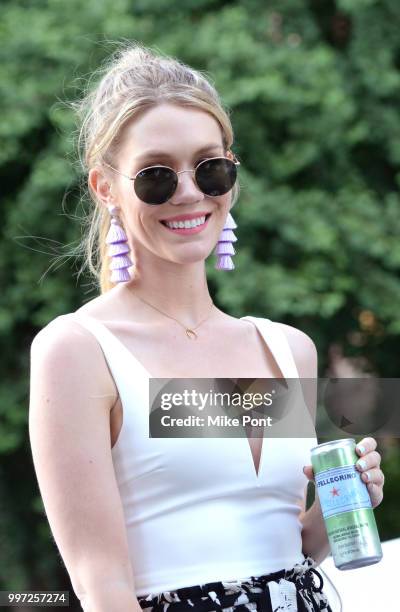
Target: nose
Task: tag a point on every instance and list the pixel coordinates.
(186, 191)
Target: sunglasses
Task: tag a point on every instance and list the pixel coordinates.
(157, 184)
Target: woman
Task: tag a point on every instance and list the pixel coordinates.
(151, 523)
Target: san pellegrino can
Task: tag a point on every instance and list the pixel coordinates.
(346, 505)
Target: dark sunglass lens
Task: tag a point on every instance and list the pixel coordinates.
(155, 185)
(216, 176)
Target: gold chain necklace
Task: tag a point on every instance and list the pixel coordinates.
(189, 330)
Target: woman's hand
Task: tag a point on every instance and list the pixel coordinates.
(371, 473)
(370, 470)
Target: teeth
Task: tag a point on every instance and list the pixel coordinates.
(186, 224)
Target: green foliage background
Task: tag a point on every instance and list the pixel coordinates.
(314, 91)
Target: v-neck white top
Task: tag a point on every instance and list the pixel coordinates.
(195, 509)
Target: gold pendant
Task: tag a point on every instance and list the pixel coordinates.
(191, 334)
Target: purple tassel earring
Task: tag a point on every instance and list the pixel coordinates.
(118, 249)
(224, 248)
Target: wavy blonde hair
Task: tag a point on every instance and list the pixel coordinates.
(132, 79)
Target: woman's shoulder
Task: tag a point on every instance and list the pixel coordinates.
(296, 335)
(302, 347)
(64, 334)
(64, 338)
(64, 345)
(293, 334)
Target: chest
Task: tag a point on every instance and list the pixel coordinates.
(236, 352)
(242, 354)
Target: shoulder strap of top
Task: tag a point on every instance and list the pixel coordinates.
(277, 342)
(112, 347)
(99, 331)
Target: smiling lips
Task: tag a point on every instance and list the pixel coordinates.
(187, 224)
(187, 216)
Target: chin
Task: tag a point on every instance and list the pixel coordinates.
(191, 258)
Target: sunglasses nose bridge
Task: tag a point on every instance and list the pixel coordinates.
(193, 170)
(194, 182)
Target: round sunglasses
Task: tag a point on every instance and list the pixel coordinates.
(155, 185)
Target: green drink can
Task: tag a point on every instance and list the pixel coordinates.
(346, 505)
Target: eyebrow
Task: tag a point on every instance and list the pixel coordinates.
(165, 155)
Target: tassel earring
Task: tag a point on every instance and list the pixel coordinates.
(224, 248)
(118, 249)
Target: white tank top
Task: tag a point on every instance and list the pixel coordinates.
(195, 509)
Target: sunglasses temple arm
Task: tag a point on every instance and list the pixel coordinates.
(131, 178)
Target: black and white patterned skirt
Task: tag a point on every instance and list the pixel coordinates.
(296, 590)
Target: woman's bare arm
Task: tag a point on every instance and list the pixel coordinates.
(314, 537)
(71, 395)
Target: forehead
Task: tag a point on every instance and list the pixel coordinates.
(172, 128)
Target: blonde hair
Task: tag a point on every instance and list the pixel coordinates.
(133, 79)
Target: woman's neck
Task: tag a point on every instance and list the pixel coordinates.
(183, 295)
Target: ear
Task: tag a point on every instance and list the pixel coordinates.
(100, 185)
(231, 155)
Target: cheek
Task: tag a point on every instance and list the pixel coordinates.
(146, 223)
(127, 193)
(137, 220)
(224, 204)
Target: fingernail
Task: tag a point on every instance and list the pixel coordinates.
(361, 449)
(366, 476)
(361, 464)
